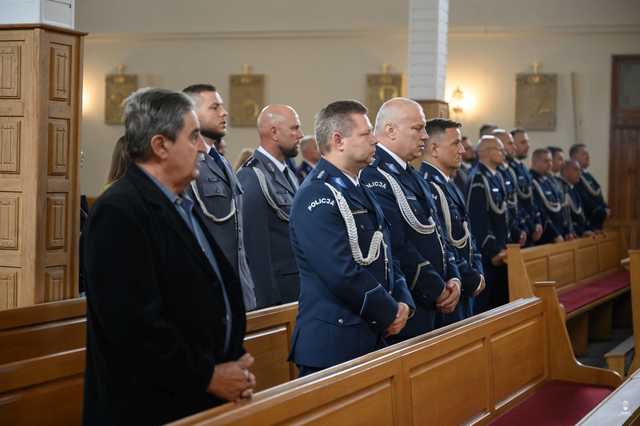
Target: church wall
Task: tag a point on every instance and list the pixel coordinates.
(310, 61)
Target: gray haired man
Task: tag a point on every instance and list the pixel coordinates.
(165, 318)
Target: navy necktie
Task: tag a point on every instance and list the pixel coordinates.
(217, 158)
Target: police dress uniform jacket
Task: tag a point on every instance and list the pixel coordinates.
(461, 178)
(487, 206)
(219, 195)
(267, 200)
(419, 244)
(595, 208)
(156, 316)
(551, 204)
(349, 285)
(303, 170)
(486, 203)
(579, 221)
(529, 210)
(453, 214)
(516, 217)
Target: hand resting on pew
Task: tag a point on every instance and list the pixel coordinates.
(233, 380)
(498, 259)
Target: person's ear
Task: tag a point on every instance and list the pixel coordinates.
(337, 141)
(158, 145)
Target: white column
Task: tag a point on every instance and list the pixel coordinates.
(60, 13)
(427, 65)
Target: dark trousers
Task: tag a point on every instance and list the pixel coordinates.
(496, 292)
(304, 370)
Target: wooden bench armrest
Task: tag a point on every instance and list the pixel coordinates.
(562, 361)
(622, 407)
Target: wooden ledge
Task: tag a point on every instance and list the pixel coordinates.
(63, 30)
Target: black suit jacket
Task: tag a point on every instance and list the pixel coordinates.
(155, 309)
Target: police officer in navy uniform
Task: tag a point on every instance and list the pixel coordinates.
(570, 176)
(487, 206)
(548, 197)
(528, 207)
(517, 217)
(270, 186)
(442, 157)
(217, 190)
(418, 241)
(352, 294)
(469, 159)
(595, 208)
(310, 156)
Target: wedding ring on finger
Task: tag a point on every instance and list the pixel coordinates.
(246, 374)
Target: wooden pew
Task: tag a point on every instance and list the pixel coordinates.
(467, 373)
(42, 358)
(622, 407)
(616, 358)
(629, 231)
(589, 281)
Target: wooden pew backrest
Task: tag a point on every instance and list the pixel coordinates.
(42, 358)
(570, 262)
(466, 373)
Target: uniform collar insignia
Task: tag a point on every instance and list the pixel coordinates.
(338, 180)
(393, 168)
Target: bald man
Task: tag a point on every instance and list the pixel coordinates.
(487, 204)
(269, 187)
(418, 242)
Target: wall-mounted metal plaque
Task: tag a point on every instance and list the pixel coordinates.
(536, 101)
(247, 99)
(381, 88)
(118, 87)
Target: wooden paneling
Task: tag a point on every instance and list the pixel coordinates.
(55, 283)
(40, 98)
(624, 147)
(562, 268)
(457, 407)
(270, 350)
(586, 262)
(58, 154)
(9, 221)
(10, 135)
(56, 221)
(525, 343)
(538, 269)
(9, 281)
(608, 255)
(60, 72)
(10, 69)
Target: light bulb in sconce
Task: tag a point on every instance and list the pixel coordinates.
(457, 101)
